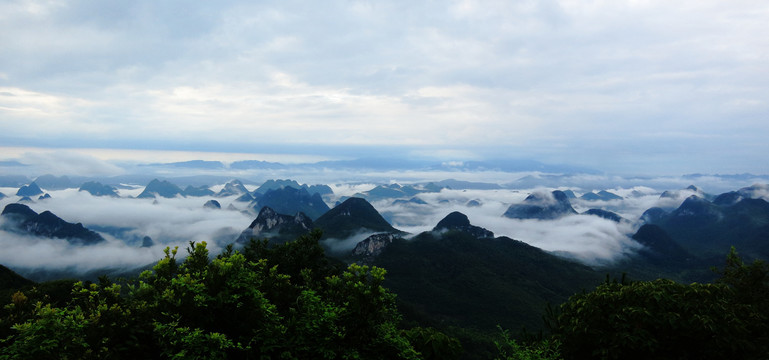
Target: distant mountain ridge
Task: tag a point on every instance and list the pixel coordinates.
(98, 189)
(162, 188)
(707, 229)
(29, 190)
(276, 227)
(290, 200)
(541, 206)
(441, 278)
(457, 221)
(24, 220)
(352, 216)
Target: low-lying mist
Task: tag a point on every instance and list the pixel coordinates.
(177, 221)
(167, 221)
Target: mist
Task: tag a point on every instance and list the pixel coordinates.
(588, 239)
(169, 222)
(176, 221)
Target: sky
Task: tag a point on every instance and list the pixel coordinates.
(630, 87)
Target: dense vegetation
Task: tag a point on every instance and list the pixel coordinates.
(289, 301)
(286, 301)
(467, 286)
(662, 319)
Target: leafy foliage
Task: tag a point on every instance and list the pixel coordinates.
(662, 319)
(510, 349)
(286, 301)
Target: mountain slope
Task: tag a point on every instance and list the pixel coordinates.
(29, 190)
(459, 280)
(290, 200)
(457, 221)
(541, 206)
(98, 189)
(353, 216)
(278, 228)
(708, 229)
(24, 220)
(160, 188)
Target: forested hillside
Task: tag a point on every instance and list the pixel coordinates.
(290, 301)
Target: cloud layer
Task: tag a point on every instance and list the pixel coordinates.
(661, 87)
(169, 222)
(177, 221)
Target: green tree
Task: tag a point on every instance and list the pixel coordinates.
(283, 301)
(662, 319)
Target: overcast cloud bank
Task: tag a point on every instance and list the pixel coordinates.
(663, 88)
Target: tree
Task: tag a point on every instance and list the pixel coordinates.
(662, 319)
(284, 301)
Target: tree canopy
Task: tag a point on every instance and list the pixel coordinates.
(285, 301)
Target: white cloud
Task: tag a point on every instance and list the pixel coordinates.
(559, 80)
(169, 222)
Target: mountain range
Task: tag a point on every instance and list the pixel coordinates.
(541, 206)
(708, 229)
(21, 219)
(460, 275)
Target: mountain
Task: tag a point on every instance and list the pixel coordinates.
(29, 190)
(541, 206)
(290, 200)
(24, 220)
(455, 279)
(756, 191)
(473, 203)
(13, 180)
(2, 196)
(276, 227)
(160, 188)
(197, 191)
(413, 201)
(606, 214)
(368, 249)
(191, 164)
(98, 189)
(234, 187)
(457, 221)
(247, 198)
(18, 212)
(685, 193)
(320, 189)
(602, 195)
(394, 191)
(212, 204)
(659, 247)
(323, 190)
(354, 215)
(276, 185)
(466, 185)
(707, 229)
(255, 164)
(51, 182)
(654, 215)
(10, 281)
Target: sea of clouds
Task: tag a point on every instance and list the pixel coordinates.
(172, 222)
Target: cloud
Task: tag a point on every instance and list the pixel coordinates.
(345, 246)
(176, 221)
(650, 83)
(589, 239)
(69, 163)
(169, 222)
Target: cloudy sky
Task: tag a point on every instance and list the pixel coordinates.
(654, 87)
